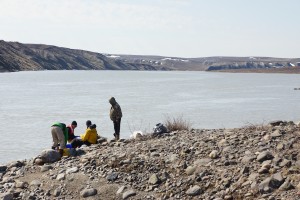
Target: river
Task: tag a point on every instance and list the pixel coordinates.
(30, 102)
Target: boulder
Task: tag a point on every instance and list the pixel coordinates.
(50, 156)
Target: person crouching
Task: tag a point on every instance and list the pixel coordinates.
(89, 137)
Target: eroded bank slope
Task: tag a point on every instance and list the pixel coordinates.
(253, 162)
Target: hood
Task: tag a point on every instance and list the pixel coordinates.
(112, 101)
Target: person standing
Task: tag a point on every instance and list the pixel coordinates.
(59, 133)
(115, 116)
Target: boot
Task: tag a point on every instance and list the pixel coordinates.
(117, 137)
(61, 152)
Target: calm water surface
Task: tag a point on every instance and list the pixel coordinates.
(31, 101)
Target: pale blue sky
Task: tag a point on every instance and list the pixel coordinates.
(183, 28)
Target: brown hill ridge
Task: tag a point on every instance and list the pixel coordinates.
(15, 56)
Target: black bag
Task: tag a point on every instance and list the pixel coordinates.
(160, 128)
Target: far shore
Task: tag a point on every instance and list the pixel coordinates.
(286, 70)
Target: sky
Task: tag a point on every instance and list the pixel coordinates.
(173, 28)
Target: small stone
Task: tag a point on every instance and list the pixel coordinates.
(2, 168)
(112, 177)
(39, 161)
(286, 163)
(213, 154)
(245, 170)
(56, 192)
(153, 179)
(6, 196)
(36, 183)
(121, 189)
(275, 123)
(202, 162)
(286, 185)
(265, 155)
(128, 194)
(88, 192)
(247, 159)
(72, 170)
(21, 184)
(194, 191)
(45, 168)
(276, 134)
(61, 176)
(190, 170)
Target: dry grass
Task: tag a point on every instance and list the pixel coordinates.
(177, 123)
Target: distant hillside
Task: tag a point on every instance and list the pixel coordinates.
(16, 56)
(210, 63)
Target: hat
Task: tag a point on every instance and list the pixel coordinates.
(74, 123)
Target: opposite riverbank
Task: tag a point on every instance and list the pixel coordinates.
(252, 162)
(284, 70)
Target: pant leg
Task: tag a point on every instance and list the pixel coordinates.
(76, 143)
(61, 137)
(54, 137)
(117, 126)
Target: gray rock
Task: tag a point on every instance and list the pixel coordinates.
(285, 162)
(286, 185)
(194, 191)
(153, 179)
(6, 196)
(276, 134)
(72, 170)
(265, 155)
(121, 189)
(56, 192)
(61, 176)
(2, 168)
(202, 162)
(190, 170)
(271, 183)
(88, 192)
(213, 154)
(245, 170)
(45, 168)
(275, 123)
(247, 159)
(128, 194)
(112, 177)
(50, 156)
(21, 184)
(15, 164)
(35, 183)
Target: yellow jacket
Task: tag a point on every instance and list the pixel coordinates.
(90, 135)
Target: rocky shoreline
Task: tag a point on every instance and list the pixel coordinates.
(252, 162)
